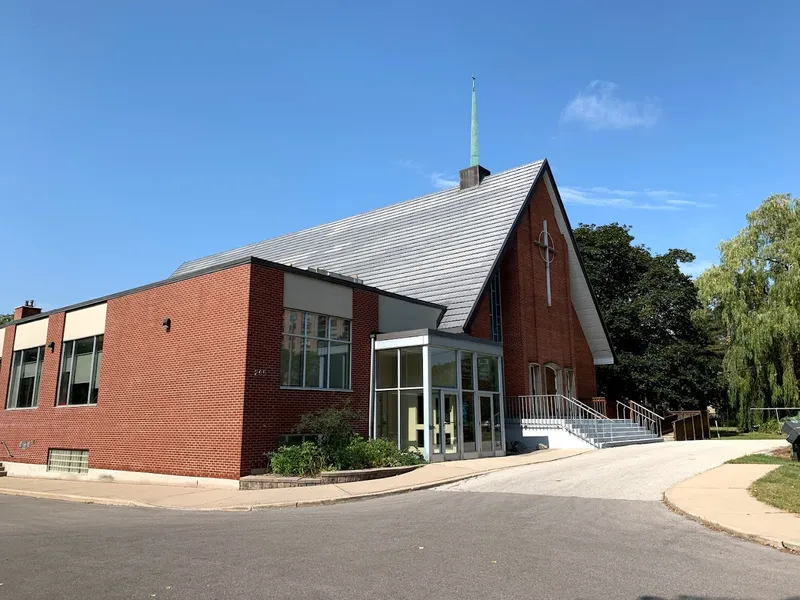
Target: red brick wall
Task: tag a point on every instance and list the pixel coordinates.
(532, 330)
(271, 411)
(481, 326)
(169, 402)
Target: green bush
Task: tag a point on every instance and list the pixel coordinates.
(772, 426)
(369, 454)
(334, 427)
(297, 461)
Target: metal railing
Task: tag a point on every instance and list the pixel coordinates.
(641, 415)
(553, 407)
(555, 411)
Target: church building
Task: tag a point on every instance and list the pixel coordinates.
(425, 316)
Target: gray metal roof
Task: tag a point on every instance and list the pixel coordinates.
(439, 247)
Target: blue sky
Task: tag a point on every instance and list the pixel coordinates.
(137, 135)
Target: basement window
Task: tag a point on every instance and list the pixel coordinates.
(68, 461)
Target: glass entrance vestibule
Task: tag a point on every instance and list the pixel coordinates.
(439, 394)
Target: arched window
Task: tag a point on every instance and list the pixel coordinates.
(552, 379)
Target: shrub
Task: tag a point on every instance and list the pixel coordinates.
(297, 461)
(772, 426)
(368, 454)
(334, 427)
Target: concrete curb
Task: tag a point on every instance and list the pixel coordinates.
(272, 505)
(74, 498)
(743, 535)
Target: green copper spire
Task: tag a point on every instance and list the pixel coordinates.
(474, 154)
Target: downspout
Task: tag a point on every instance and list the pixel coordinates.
(371, 382)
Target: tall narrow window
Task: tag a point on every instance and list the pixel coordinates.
(569, 383)
(26, 375)
(494, 307)
(79, 382)
(536, 379)
(316, 351)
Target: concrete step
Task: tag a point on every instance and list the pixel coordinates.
(615, 444)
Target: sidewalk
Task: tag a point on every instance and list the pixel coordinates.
(163, 496)
(719, 498)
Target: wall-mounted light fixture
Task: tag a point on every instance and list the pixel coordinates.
(51, 346)
(167, 324)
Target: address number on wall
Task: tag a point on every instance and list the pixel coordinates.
(259, 372)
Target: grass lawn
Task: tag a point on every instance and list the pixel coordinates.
(731, 433)
(781, 487)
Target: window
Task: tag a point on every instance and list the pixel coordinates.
(443, 368)
(316, 351)
(494, 307)
(399, 415)
(26, 375)
(68, 461)
(552, 380)
(536, 379)
(488, 374)
(569, 383)
(79, 382)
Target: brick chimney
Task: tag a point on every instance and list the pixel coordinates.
(471, 176)
(26, 310)
(474, 173)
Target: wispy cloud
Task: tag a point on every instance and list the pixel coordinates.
(694, 269)
(627, 199)
(599, 107)
(588, 197)
(676, 202)
(605, 190)
(441, 181)
(438, 179)
(661, 193)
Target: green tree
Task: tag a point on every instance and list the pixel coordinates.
(756, 292)
(663, 354)
(6, 319)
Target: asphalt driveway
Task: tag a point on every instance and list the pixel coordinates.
(626, 473)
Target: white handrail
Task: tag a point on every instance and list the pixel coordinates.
(639, 416)
(550, 406)
(645, 409)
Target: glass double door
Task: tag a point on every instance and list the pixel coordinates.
(444, 424)
(464, 427)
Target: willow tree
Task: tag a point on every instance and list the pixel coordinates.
(756, 289)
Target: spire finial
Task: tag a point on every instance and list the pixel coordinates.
(474, 154)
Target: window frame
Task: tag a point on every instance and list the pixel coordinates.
(535, 379)
(495, 307)
(92, 368)
(303, 336)
(37, 381)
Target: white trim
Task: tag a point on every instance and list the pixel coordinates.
(580, 293)
(419, 340)
(16, 469)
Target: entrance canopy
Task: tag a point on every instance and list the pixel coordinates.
(438, 393)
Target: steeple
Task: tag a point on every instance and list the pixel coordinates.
(474, 153)
(474, 174)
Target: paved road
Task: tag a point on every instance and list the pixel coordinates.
(627, 473)
(434, 544)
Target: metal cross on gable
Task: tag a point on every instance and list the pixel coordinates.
(548, 253)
